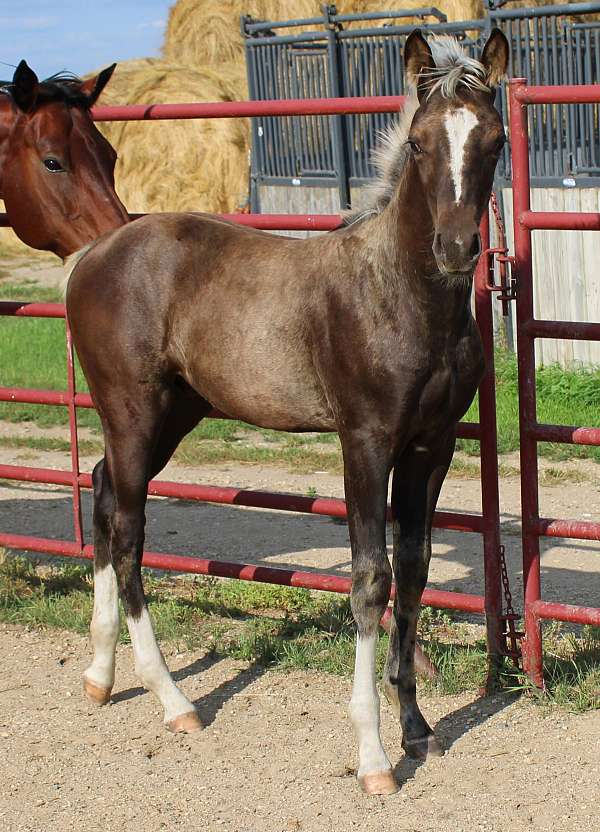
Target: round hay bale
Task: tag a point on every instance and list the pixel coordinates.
(207, 33)
(192, 164)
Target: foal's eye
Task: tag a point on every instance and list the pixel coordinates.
(53, 165)
(416, 148)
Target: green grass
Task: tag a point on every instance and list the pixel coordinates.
(564, 397)
(32, 354)
(285, 628)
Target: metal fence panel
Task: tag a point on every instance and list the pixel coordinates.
(549, 45)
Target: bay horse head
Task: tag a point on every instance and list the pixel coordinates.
(56, 168)
(454, 140)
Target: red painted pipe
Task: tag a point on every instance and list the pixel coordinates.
(241, 571)
(245, 109)
(559, 221)
(572, 529)
(573, 330)
(563, 94)
(569, 434)
(325, 506)
(567, 612)
(519, 142)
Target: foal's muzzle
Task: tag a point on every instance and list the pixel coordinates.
(457, 253)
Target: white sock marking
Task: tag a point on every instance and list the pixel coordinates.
(104, 629)
(459, 124)
(151, 668)
(364, 709)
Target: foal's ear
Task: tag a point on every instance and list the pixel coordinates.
(25, 87)
(94, 86)
(418, 61)
(495, 57)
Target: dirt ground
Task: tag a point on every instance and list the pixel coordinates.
(277, 754)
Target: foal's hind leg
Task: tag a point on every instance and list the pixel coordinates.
(185, 412)
(99, 678)
(366, 476)
(133, 449)
(418, 478)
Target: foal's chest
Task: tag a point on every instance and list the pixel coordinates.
(449, 389)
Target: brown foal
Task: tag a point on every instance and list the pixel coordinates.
(56, 168)
(366, 331)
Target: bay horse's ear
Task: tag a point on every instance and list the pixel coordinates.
(495, 57)
(94, 86)
(418, 61)
(25, 87)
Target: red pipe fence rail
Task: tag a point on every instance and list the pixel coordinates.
(487, 524)
(528, 329)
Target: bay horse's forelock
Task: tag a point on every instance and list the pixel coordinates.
(56, 168)
(366, 330)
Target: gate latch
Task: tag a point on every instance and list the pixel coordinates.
(507, 288)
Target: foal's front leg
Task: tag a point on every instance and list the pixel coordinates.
(366, 476)
(417, 480)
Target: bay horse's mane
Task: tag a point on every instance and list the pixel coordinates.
(453, 69)
(64, 87)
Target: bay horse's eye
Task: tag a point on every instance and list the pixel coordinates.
(53, 165)
(416, 148)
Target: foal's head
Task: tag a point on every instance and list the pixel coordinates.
(455, 139)
(56, 168)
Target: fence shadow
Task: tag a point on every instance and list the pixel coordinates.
(309, 543)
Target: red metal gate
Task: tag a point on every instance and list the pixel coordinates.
(528, 329)
(486, 524)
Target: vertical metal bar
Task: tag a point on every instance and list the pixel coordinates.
(532, 646)
(255, 150)
(559, 164)
(548, 109)
(533, 50)
(488, 451)
(340, 152)
(76, 488)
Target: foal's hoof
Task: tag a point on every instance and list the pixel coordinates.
(96, 693)
(379, 782)
(185, 723)
(423, 748)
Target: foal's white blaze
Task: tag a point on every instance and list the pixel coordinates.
(104, 629)
(364, 709)
(151, 668)
(459, 124)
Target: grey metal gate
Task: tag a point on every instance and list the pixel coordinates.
(549, 45)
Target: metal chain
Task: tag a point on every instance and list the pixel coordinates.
(498, 218)
(510, 633)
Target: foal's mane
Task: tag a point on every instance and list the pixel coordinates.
(453, 69)
(64, 87)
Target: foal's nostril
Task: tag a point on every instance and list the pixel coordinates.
(437, 243)
(475, 249)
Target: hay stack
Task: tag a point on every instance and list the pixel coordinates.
(199, 164)
(207, 33)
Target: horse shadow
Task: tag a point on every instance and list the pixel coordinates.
(455, 725)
